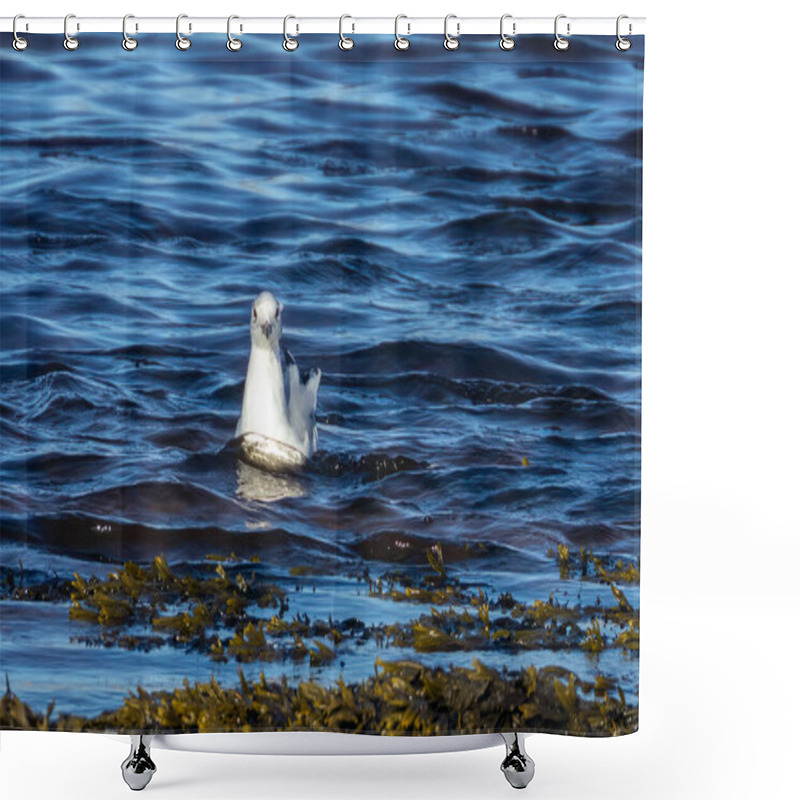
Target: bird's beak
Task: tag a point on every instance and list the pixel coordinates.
(268, 329)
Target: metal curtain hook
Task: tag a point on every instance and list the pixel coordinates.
(451, 42)
(289, 44)
(19, 42)
(345, 43)
(400, 42)
(561, 43)
(506, 42)
(128, 43)
(70, 42)
(233, 44)
(181, 42)
(623, 44)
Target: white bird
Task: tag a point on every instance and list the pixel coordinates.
(278, 424)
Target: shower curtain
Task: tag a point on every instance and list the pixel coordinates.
(320, 386)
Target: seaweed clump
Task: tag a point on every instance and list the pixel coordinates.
(466, 618)
(401, 698)
(136, 593)
(592, 567)
(185, 608)
(218, 609)
(219, 612)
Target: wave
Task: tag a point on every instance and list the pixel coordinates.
(510, 231)
(573, 212)
(543, 133)
(346, 268)
(471, 174)
(56, 466)
(481, 102)
(80, 145)
(284, 226)
(573, 405)
(370, 467)
(30, 368)
(610, 312)
(355, 156)
(98, 538)
(449, 360)
(400, 547)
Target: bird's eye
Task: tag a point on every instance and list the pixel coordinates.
(255, 315)
(278, 312)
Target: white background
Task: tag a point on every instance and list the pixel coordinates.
(720, 554)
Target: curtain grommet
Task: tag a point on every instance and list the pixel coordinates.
(290, 44)
(182, 42)
(561, 44)
(19, 43)
(451, 42)
(622, 44)
(70, 42)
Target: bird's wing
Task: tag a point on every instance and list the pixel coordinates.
(288, 357)
(291, 375)
(302, 401)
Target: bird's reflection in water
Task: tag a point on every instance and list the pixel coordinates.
(268, 487)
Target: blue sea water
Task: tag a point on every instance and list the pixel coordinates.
(455, 237)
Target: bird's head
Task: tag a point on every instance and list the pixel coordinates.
(265, 321)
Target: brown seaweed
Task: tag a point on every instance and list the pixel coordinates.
(401, 698)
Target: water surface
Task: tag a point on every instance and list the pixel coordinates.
(455, 238)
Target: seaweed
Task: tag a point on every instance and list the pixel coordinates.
(139, 594)
(401, 698)
(430, 590)
(217, 613)
(563, 561)
(436, 560)
(17, 715)
(628, 638)
(252, 645)
(595, 641)
(321, 654)
(217, 609)
(591, 567)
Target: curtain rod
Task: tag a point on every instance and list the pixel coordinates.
(407, 26)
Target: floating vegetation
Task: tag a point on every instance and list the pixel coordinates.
(321, 654)
(252, 645)
(471, 620)
(302, 571)
(628, 639)
(619, 596)
(227, 610)
(436, 560)
(371, 467)
(14, 586)
(141, 594)
(402, 587)
(619, 573)
(591, 567)
(17, 715)
(402, 698)
(595, 641)
(563, 560)
(222, 615)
